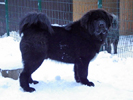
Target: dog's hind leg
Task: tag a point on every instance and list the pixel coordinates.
(31, 61)
(24, 82)
(33, 55)
(25, 76)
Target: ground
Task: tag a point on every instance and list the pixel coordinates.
(111, 74)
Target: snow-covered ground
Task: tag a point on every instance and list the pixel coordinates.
(112, 75)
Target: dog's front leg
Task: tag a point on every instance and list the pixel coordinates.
(81, 71)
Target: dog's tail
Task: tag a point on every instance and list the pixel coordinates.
(35, 22)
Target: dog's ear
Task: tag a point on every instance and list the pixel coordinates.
(84, 21)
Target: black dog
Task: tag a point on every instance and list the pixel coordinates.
(77, 43)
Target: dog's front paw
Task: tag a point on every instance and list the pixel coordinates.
(87, 82)
(90, 84)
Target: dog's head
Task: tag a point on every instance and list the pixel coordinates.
(97, 23)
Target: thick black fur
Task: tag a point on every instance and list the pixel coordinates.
(76, 43)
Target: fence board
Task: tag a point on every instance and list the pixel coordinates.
(126, 17)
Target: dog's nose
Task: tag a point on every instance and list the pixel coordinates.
(101, 25)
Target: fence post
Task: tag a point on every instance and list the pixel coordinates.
(40, 5)
(7, 20)
(99, 3)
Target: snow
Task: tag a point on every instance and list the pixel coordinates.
(2, 3)
(112, 76)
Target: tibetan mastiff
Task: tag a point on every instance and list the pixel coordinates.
(76, 43)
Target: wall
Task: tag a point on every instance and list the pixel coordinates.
(82, 6)
(126, 17)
